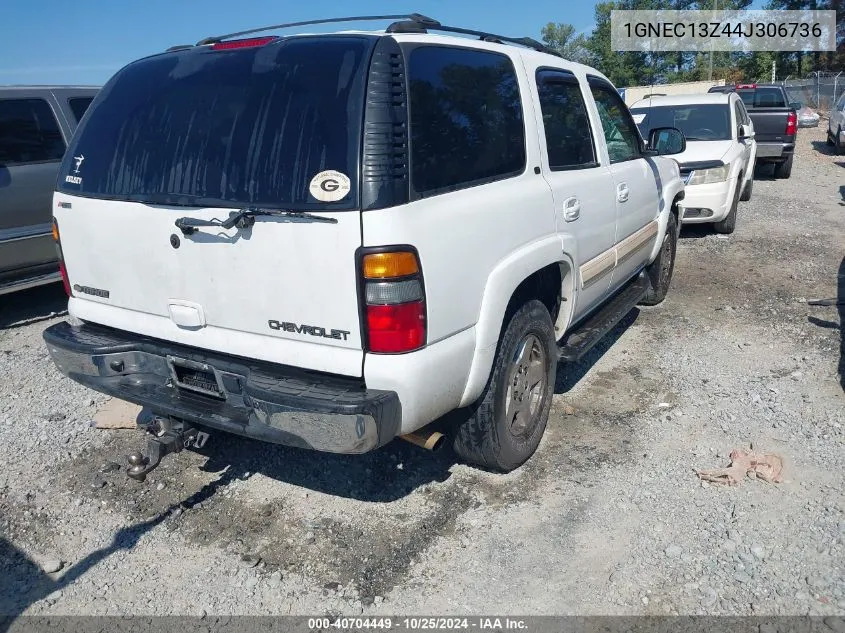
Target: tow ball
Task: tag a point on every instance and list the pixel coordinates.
(168, 436)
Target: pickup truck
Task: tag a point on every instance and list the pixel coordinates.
(775, 121)
(329, 241)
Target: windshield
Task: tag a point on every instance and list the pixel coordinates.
(251, 126)
(702, 122)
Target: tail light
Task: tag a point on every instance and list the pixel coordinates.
(394, 301)
(62, 268)
(791, 123)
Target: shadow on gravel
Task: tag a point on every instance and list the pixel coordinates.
(764, 171)
(840, 294)
(696, 231)
(569, 374)
(29, 306)
(387, 474)
(23, 583)
(823, 148)
(839, 303)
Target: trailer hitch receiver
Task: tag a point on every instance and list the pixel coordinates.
(168, 436)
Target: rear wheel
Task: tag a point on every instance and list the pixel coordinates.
(829, 139)
(728, 225)
(505, 426)
(660, 270)
(837, 142)
(784, 169)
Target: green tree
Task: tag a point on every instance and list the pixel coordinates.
(562, 38)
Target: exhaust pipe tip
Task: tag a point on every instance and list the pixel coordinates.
(429, 440)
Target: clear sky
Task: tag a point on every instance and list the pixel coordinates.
(53, 41)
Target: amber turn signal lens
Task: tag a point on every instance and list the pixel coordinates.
(55, 231)
(387, 265)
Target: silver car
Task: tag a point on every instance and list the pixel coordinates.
(36, 124)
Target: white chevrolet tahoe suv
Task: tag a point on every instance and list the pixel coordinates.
(718, 163)
(330, 241)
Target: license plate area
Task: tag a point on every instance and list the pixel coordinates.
(197, 377)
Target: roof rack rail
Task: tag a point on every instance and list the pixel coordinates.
(416, 18)
(410, 23)
(412, 26)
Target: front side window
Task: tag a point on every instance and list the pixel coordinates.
(620, 132)
(738, 114)
(568, 137)
(702, 122)
(251, 126)
(29, 133)
(466, 118)
(745, 119)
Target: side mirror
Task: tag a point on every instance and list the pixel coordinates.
(664, 141)
(745, 131)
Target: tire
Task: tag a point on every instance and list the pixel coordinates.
(829, 139)
(747, 190)
(784, 169)
(506, 424)
(728, 225)
(660, 271)
(838, 143)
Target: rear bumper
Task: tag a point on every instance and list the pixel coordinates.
(774, 152)
(267, 402)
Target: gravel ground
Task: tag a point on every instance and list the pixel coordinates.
(607, 518)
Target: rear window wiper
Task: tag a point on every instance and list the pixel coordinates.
(245, 218)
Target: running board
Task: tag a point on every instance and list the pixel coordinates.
(582, 339)
(30, 282)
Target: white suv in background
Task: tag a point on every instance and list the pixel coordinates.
(836, 125)
(718, 163)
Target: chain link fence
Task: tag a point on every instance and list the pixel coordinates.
(819, 90)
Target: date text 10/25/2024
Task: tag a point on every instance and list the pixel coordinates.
(417, 624)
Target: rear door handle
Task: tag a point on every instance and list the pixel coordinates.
(571, 209)
(622, 192)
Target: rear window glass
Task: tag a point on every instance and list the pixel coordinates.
(466, 118)
(78, 105)
(250, 126)
(29, 132)
(704, 122)
(763, 98)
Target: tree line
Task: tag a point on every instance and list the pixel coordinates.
(635, 68)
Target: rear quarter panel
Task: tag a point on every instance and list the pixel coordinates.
(467, 241)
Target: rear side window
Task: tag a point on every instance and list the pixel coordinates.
(263, 126)
(465, 117)
(567, 127)
(29, 132)
(78, 105)
(763, 97)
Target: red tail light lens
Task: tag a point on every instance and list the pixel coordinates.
(246, 43)
(394, 301)
(791, 123)
(62, 268)
(396, 328)
(65, 280)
